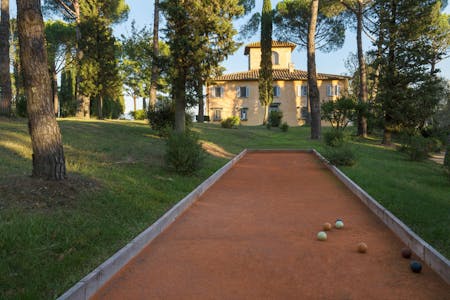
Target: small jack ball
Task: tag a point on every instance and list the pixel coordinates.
(322, 236)
(362, 247)
(326, 226)
(416, 266)
(339, 224)
(406, 252)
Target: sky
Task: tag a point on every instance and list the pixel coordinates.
(141, 11)
(332, 63)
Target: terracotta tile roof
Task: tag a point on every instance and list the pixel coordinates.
(278, 74)
(274, 44)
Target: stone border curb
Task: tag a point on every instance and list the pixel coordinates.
(91, 283)
(436, 261)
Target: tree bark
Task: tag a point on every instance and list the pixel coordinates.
(144, 103)
(48, 153)
(155, 71)
(134, 103)
(180, 100)
(83, 101)
(363, 94)
(447, 153)
(201, 103)
(55, 92)
(100, 107)
(314, 96)
(5, 76)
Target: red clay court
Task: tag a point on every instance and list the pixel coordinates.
(252, 235)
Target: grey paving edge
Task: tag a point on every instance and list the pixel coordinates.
(436, 261)
(92, 282)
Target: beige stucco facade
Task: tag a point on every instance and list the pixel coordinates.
(290, 101)
(237, 94)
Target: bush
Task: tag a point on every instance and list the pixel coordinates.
(417, 147)
(334, 138)
(231, 122)
(184, 153)
(138, 114)
(340, 156)
(161, 118)
(284, 127)
(275, 118)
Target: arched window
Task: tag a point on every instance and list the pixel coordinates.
(275, 58)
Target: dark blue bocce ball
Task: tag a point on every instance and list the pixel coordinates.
(416, 267)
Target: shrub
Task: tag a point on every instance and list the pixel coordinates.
(334, 138)
(184, 153)
(417, 147)
(284, 127)
(435, 145)
(340, 156)
(138, 114)
(231, 122)
(161, 118)
(275, 118)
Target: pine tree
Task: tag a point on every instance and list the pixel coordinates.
(48, 153)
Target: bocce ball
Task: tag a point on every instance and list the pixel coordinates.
(322, 236)
(339, 224)
(406, 252)
(326, 226)
(416, 266)
(362, 247)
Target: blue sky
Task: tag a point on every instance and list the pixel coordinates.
(142, 12)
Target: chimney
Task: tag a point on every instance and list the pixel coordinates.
(291, 67)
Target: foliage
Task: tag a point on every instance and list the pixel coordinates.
(275, 118)
(284, 127)
(265, 73)
(339, 113)
(292, 22)
(184, 153)
(199, 37)
(408, 92)
(334, 138)
(139, 114)
(161, 117)
(230, 122)
(340, 156)
(416, 147)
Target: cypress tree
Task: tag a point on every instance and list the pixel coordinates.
(265, 73)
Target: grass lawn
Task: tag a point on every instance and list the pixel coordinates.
(52, 234)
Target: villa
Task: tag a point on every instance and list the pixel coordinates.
(236, 94)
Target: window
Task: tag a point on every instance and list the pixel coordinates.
(275, 58)
(243, 92)
(304, 114)
(217, 91)
(304, 91)
(274, 107)
(217, 114)
(244, 114)
(276, 91)
(333, 90)
(337, 90)
(329, 90)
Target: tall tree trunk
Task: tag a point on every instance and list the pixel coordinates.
(155, 71)
(201, 103)
(144, 103)
(314, 96)
(5, 75)
(48, 153)
(83, 101)
(100, 107)
(180, 100)
(134, 103)
(447, 153)
(54, 80)
(363, 94)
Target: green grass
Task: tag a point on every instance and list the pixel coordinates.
(51, 235)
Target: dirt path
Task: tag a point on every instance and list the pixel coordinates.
(253, 236)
